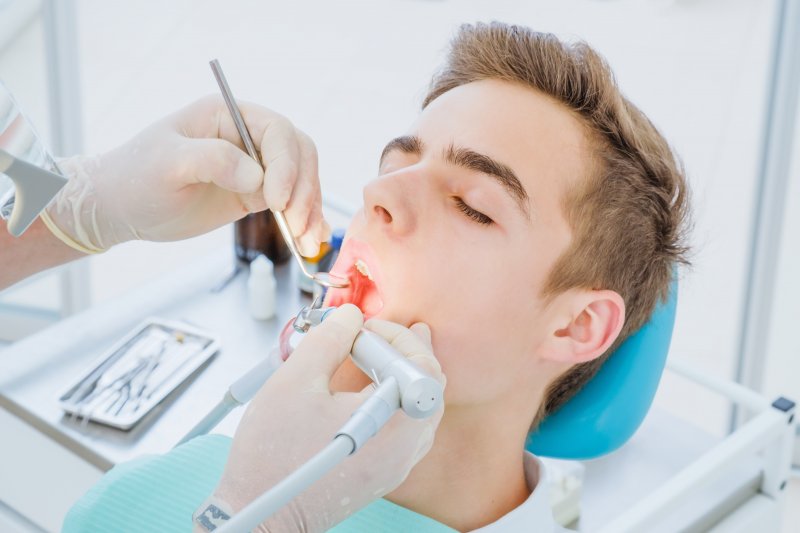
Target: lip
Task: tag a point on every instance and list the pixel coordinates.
(365, 294)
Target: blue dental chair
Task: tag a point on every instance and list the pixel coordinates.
(611, 407)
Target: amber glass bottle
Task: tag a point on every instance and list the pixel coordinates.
(258, 233)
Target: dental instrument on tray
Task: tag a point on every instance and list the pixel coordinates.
(322, 278)
(138, 372)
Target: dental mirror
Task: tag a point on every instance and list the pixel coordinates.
(324, 279)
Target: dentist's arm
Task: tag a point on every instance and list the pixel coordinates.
(36, 250)
(183, 176)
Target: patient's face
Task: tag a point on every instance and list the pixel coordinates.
(461, 228)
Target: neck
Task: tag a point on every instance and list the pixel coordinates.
(473, 475)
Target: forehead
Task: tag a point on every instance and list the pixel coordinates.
(541, 140)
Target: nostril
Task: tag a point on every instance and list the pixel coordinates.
(383, 214)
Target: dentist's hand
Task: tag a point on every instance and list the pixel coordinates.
(188, 174)
(295, 415)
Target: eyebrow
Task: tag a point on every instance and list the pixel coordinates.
(471, 160)
(408, 144)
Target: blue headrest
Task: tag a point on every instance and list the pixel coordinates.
(609, 409)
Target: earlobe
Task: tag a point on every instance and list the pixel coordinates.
(595, 318)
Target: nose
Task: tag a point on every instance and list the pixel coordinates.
(391, 203)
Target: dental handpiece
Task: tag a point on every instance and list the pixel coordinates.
(399, 384)
(420, 394)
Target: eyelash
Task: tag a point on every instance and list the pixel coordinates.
(477, 216)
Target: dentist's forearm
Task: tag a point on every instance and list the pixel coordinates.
(36, 250)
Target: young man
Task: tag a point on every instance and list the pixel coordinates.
(532, 217)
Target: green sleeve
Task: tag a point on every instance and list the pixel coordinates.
(383, 516)
(153, 493)
(160, 493)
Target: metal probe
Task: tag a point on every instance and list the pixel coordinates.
(321, 278)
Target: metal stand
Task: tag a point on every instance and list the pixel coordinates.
(765, 238)
(61, 47)
(769, 434)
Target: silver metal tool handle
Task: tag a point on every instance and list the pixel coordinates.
(420, 394)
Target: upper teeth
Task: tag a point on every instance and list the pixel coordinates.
(361, 266)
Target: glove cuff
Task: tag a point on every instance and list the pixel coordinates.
(66, 239)
(73, 217)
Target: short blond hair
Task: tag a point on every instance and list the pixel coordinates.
(629, 218)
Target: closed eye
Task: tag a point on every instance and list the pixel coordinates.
(477, 216)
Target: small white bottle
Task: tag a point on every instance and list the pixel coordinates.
(261, 289)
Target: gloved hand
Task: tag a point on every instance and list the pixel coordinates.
(188, 174)
(295, 415)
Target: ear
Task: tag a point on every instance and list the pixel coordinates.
(586, 324)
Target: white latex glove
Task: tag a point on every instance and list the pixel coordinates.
(188, 174)
(295, 415)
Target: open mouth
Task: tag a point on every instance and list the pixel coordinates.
(357, 263)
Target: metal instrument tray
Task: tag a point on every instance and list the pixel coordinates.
(138, 372)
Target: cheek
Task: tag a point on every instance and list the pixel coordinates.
(471, 368)
(481, 350)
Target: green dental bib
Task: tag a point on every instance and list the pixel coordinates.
(160, 493)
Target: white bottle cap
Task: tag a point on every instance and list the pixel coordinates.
(261, 266)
